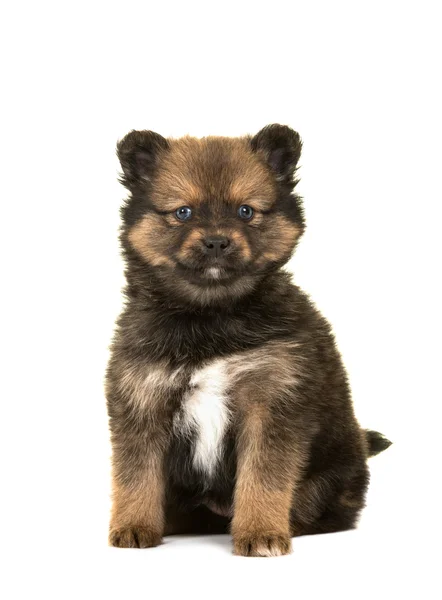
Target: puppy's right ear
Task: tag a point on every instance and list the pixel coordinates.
(139, 152)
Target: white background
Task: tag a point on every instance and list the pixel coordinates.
(361, 83)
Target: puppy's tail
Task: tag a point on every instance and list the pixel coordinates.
(376, 442)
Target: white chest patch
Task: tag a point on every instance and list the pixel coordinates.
(206, 413)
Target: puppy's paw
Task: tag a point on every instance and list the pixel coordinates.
(261, 545)
(134, 537)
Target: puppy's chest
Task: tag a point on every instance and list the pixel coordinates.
(206, 414)
(210, 396)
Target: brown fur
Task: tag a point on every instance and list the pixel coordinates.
(143, 239)
(186, 174)
(282, 238)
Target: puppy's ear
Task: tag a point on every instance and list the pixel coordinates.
(280, 147)
(139, 152)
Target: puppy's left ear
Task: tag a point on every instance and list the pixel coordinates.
(139, 153)
(280, 147)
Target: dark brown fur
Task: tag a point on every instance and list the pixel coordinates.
(293, 456)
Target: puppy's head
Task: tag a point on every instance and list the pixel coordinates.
(211, 216)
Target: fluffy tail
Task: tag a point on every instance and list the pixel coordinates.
(376, 442)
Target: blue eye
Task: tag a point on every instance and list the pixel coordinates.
(245, 212)
(183, 213)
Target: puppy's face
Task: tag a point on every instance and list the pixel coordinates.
(211, 215)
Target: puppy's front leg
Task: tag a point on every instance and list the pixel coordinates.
(267, 470)
(139, 447)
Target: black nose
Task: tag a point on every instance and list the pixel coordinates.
(216, 245)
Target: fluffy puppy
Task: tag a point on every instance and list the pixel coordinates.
(228, 401)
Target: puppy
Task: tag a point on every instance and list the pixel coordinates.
(229, 405)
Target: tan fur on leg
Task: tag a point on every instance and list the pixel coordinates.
(138, 512)
(260, 525)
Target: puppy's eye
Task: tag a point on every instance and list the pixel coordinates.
(183, 213)
(245, 212)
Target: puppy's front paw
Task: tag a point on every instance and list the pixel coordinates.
(261, 545)
(134, 537)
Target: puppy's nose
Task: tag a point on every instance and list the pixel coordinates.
(216, 244)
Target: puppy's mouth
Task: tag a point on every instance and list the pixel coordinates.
(206, 275)
(215, 273)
